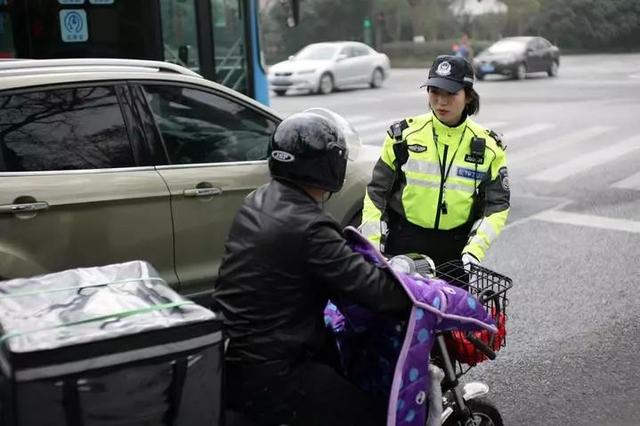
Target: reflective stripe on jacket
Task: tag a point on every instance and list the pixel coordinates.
(437, 197)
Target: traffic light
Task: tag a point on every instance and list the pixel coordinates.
(367, 23)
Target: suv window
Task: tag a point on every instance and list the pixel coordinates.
(200, 127)
(64, 129)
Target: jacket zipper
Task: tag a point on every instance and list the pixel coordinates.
(442, 177)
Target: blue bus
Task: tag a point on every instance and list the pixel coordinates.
(219, 39)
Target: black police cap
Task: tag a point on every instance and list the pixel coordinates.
(450, 73)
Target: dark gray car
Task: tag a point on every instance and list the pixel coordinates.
(518, 56)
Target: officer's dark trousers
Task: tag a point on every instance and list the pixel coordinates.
(308, 393)
(441, 246)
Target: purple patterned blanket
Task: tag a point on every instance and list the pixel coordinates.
(390, 359)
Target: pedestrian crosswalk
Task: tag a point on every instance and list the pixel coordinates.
(632, 182)
(531, 153)
(527, 130)
(590, 221)
(547, 152)
(587, 161)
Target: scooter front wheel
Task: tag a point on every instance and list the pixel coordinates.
(483, 413)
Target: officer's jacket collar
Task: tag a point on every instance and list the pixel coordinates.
(446, 134)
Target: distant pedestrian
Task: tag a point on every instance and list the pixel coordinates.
(463, 47)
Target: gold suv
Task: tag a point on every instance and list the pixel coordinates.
(105, 161)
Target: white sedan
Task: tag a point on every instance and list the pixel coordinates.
(323, 67)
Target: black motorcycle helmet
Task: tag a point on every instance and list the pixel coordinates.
(310, 148)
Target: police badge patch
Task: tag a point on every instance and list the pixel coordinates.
(417, 148)
(444, 69)
(504, 178)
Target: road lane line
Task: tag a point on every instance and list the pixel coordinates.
(373, 140)
(524, 220)
(493, 124)
(510, 135)
(632, 182)
(359, 119)
(540, 149)
(587, 161)
(381, 124)
(591, 221)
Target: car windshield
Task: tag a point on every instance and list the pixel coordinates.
(317, 52)
(507, 46)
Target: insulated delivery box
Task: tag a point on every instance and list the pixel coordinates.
(107, 346)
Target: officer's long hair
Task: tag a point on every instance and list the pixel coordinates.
(472, 107)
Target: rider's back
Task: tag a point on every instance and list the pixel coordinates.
(267, 296)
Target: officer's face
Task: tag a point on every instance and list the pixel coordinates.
(448, 107)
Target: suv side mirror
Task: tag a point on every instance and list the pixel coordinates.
(291, 57)
(341, 57)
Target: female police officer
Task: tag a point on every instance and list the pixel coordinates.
(441, 186)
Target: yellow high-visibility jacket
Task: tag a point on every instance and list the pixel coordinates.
(437, 197)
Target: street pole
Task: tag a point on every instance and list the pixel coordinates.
(368, 31)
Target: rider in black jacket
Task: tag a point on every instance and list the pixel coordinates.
(285, 257)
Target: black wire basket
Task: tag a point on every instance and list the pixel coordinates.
(490, 288)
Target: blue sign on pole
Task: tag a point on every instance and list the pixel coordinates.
(73, 25)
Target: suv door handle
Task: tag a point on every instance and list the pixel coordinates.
(23, 208)
(202, 192)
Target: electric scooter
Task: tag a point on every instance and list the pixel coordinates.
(456, 352)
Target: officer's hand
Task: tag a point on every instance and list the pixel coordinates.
(467, 260)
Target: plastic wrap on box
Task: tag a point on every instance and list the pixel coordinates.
(111, 345)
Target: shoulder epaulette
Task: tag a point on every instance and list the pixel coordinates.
(496, 137)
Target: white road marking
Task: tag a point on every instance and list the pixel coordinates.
(380, 125)
(510, 135)
(562, 203)
(540, 149)
(632, 182)
(359, 119)
(587, 161)
(373, 140)
(493, 124)
(591, 221)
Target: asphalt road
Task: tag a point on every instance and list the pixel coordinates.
(572, 245)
